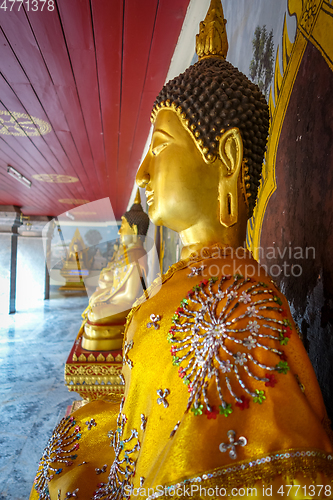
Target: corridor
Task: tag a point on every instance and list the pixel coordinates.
(34, 345)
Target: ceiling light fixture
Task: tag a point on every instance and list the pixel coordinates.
(19, 177)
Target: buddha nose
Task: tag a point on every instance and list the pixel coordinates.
(142, 176)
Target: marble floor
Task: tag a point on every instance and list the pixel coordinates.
(34, 345)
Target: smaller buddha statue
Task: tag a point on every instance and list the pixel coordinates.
(120, 284)
(99, 260)
(106, 276)
(76, 265)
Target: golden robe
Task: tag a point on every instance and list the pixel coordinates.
(219, 395)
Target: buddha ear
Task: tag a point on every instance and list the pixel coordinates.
(135, 230)
(231, 155)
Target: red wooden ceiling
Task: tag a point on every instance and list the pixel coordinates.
(91, 69)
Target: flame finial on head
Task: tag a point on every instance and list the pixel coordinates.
(212, 38)
(137, 200)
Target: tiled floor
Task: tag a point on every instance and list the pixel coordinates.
(34, 346)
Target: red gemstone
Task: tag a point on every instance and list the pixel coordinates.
(76, 447)
(287, 332)
(272, 380)
(211, 414)
(244, 405)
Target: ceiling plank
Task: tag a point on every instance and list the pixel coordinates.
(108, 34)
(77, 25)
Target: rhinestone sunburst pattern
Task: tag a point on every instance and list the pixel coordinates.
(124, 465)
(213, 344)
(60, 448)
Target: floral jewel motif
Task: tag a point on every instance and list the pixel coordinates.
(207, 344)
(249, 342)
(143, 422)
(226, 366)
(71, 495)
(60, 449)
(252, 311)
(91, 423)
(243, 404)
(245, 297)
(154, 321)
(260, 397)
(277, 300)
(196, 271)
(240, 358)
(211, 414)
(124, 465)
(242, 441)
(102, 470)
(197, 409)
(271, 380)
(254, 327)
(175, 429)
(226, 410)
(162, 397)
(283, 367)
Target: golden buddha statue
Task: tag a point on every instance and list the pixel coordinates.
(220, 395)
(106, 276)
(76, 265)
(120, 284)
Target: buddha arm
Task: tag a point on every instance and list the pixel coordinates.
(119, 303)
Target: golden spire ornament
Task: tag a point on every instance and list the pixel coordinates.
(212, 38)
(137, 200)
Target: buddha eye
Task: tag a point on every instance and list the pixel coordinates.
(158, 149)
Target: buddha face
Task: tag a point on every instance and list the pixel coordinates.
(126, 232)
(181, 188)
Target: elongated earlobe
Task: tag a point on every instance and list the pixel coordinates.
(135, 236)
(231, 154)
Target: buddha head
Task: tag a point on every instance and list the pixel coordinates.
(209, 138)
(134, 223)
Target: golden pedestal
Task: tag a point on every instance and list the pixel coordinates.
(94, 375)
(74, 279)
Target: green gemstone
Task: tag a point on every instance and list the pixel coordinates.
(226, 411)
